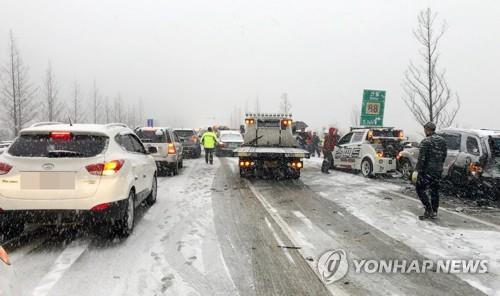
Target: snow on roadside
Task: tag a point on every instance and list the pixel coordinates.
(364, 199)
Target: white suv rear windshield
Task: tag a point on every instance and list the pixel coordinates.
(184, 133)
(43, 145)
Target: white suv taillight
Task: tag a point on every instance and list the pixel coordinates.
(171, 148)
(4, 168)
(105, 169)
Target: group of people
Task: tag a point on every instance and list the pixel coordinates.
(310, 142)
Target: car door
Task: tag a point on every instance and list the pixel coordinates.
(341, 149)
(178, 145)
(147, 167)
(453, 144)
(354, 153)
(136, 161)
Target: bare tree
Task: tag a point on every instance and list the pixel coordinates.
(53, 106)
(95, 103)
(427, 93)
(355, 116)
(118, 109)
(77, 112)
(285, 105)
(16, 91)
(107, 111)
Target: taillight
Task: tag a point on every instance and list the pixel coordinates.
(296, 164)
(221, 144)
(64, 136)
(246, 163)
(171, 148)
(475, 169)
(100, 207)
(105, 169)
(286, 123)
(249, 121)
(380, 154)
(4, 168)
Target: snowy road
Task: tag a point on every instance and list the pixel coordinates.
(212, 233)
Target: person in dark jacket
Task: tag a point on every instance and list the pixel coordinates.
(430, 164)
(328, 147)
(315, 145)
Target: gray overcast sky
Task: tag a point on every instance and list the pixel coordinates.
(193, 61)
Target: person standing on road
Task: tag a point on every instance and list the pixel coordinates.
(315, 145)
(209, 139)
(430, 164)
(328, 147)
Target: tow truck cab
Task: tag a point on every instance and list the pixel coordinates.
(269, 148)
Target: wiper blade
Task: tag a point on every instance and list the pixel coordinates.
(63, 153)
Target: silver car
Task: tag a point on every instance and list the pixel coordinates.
(169, 158)
(473, 159)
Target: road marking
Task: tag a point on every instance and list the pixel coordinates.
(70, 254)
(279, 241)
(274, 214)
(304, 219)
(497, 227)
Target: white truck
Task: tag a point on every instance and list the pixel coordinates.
(269, 149)
(369, 150)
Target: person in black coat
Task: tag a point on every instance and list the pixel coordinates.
(430, 164)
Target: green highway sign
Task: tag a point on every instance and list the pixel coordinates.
(372, 109)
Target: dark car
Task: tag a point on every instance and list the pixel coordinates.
(190, 141)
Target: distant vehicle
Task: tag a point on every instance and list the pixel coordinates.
(4, 145)
(472, 163)
(269, 148)
(169, 157)
(229, 140)
(370, 150)
(56, 173)
(190, 142)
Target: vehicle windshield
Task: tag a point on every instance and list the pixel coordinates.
(231, 138)
(185, 133)
(150, 136)
(42, 145)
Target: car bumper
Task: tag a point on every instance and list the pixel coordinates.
(191, 150)
(171, 158)
(384, 165)
(113, 212)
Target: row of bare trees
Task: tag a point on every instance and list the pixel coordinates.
(22, 102)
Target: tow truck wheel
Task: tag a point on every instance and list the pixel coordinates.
(406, 168)
(367, 168)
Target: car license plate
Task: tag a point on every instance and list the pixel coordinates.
(48, 180)
(271, 163)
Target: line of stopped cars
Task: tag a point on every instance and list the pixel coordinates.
(97, 174)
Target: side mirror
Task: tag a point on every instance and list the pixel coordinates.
(152, 149)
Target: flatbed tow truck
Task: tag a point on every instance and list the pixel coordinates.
(270, 149)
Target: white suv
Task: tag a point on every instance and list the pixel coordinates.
(57, 173)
